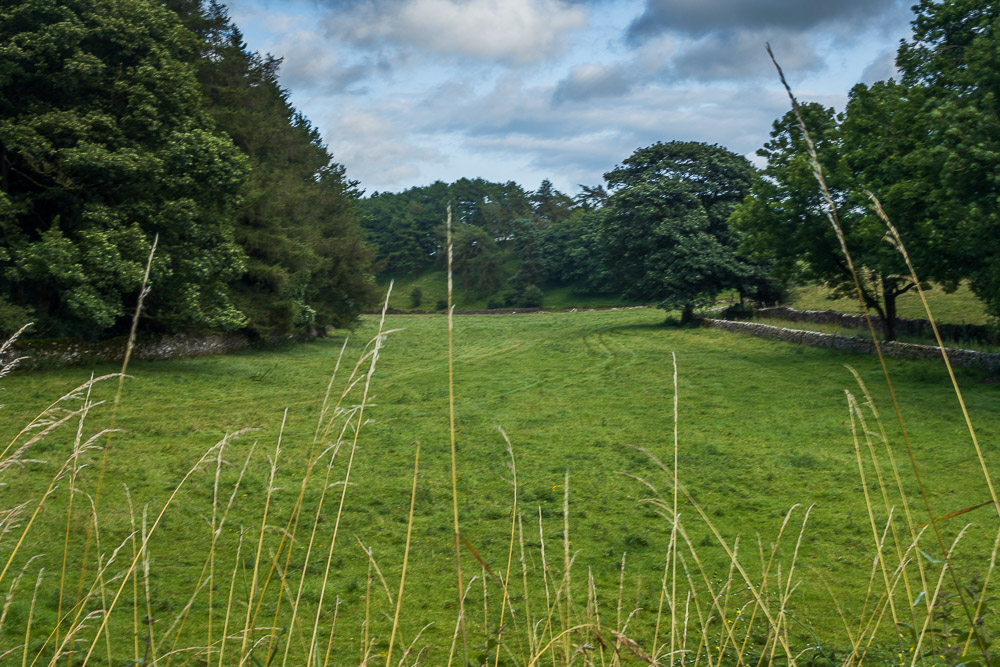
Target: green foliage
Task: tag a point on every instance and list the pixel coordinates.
(950, 69)
(407, 228)
(117, 124)
(927, 146)
(531, 297)
(666, 235)
(549, 204)
(416, 296)
(103, 144)
(307, 264)
(504, 237)
(784, 219)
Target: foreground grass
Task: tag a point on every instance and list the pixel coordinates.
(763, 426)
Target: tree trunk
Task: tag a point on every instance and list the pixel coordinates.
(687, 315)
(889, 318)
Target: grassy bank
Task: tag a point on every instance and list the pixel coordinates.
(763, 426)
(959, 307)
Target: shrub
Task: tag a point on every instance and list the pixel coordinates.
(416, 297)
(531, 297)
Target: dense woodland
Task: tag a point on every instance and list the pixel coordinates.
(129, 120)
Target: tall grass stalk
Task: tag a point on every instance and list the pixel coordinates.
(904, 498)
(505, 582)
(377, 343)
(830, 209)
(451, 438)
(130, 344)
(249, 623)
(406, 557)
(897, 242)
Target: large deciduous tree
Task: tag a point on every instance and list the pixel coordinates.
(784, 219)
(103, 144)
(952, 65)
(665, 233)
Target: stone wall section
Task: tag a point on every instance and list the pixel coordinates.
(989, 361)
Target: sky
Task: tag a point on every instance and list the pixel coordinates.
(407, 92)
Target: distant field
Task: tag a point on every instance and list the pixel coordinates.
(763, 426)
(434, 288)
(960, 307)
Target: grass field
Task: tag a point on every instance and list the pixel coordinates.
(763, 426)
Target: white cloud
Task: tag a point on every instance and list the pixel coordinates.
(375, 151)
(592, 80)
(882, 68)
(311, 63)
(515, 32)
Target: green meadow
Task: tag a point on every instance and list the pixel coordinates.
(587, 402)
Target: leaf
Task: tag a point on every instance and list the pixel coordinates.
(915, 603)
(909, 628)
(930, 558)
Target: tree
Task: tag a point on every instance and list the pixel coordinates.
(104, 143)
(473, 249)
(952, 69)
(665, 235)
(307, 264)
(867, 148)
(591, 197)
(549, 204)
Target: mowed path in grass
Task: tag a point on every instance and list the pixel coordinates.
(763, 426)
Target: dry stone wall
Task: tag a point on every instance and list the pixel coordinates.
(986, 360)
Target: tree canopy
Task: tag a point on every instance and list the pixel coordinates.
(666, 232)
(927, 146)
(121, 120)
(103, 144)
(951, 71)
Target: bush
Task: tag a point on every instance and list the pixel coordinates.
(416, 297)
(531, 297)
(442, 304)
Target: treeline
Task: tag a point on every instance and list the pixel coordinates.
(507, 241)
(657, 232)
(126, 120)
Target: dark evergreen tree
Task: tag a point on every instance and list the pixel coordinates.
(104, 143)
(549, 204)
(307, 264)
